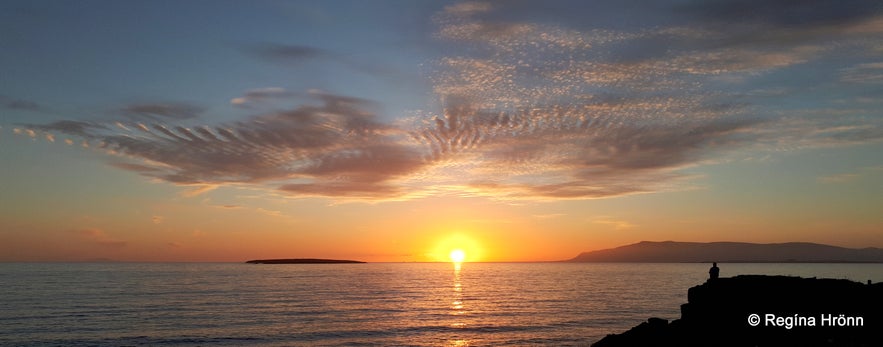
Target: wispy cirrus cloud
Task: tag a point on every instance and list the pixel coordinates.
(870, 73)
(838, 178)
(847, 177)
(614, 223)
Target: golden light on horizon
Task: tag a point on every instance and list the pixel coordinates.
(457, 255)
(456, 248)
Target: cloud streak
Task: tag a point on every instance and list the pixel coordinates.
(286, 54)
(19, 104)
(261, 95)
(159, 111)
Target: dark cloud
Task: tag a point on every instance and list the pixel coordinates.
(70, 127)
(158, 111)
(19, 104)
(774, 25)
(286, 54)
(338, 145)
(783, 13)
(571, 14)
(22, 105)
(299, 55)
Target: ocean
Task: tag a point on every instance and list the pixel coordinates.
(375, 304)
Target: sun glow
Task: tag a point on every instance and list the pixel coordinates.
(456, 248)
(457, 256)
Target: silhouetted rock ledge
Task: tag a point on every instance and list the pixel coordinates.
(791, 311)
(304, 261)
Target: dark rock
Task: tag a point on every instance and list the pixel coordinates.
(792, 311)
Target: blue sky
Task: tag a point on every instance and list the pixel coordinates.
(761, 118)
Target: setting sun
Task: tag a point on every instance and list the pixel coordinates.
(457, 256)
(456, 247)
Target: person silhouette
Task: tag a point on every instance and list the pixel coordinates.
(714, 271)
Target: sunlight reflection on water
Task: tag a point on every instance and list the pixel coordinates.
(457, 307)
(423, 304)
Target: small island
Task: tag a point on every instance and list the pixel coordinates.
(304, 261)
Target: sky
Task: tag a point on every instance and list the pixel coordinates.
(401, 130)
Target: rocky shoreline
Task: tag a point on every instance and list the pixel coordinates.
(755, 310)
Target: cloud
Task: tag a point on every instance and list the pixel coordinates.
(199, 189)
(549, 215)
(615, 224)
(334, 148)
(157, 219)
(134, 167)
(69, 127)
(286, 54)
(533, 108)
(273, 213)
(261, 95)
(19, 104)
(850, 176)
(20, 131)
(563, 153)
(599, 113)
(838, 178)
(159, 111)
(869, 73)
(297, 56)
(784, 14)
(467, 8)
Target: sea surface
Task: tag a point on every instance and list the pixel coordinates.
(376, 304)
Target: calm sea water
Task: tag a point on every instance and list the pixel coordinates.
(424, 304)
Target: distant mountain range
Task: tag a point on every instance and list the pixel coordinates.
(731, 252)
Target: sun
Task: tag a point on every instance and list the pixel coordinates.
(457, 255)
